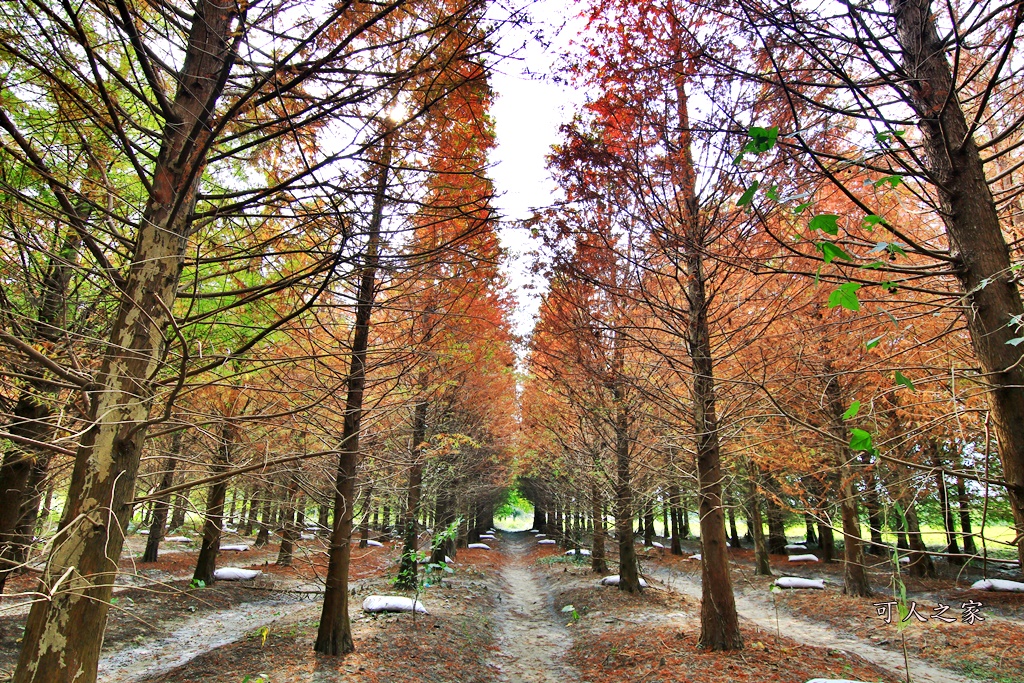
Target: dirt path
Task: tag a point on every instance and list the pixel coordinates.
(192, 637)
(531, 638)
(808, 632)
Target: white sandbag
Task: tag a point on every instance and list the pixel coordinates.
(803, 558)
(1000, 585)
(237, 547)
(448, 560)
(235, 574)
(613, 580)
(178, 539)
(796, 546)
(392, 603)
(655, 544)
(542, 535)
(534, 531)
(487, 537)
(695, 557)
(904, 560)
(581, 551)
(478, 546)
(547, 541)
(306, 537)
(374, 544)
(795, 582)
(144, 532)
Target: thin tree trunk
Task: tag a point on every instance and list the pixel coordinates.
(855, 577)
(407, 571)
(156, 530)
(213, 524)
(964, 507)
(762, 565)
(289, 529)
(598, 563)
(677, 519)
(334, 634)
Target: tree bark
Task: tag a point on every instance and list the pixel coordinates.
(161, 505)
(289, 528)
(971, 219)
(334, 634)
(598, 563)
(106, 463)
(855, 577)
(213, 524)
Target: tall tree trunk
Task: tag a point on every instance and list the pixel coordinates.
(364, 524)
(598, 563)
(289, 528)
(106, 463)
(734, 536)
(156, 530)
(971, 219)
(407, 571)
(873, 507)
(812, 538)
(855, 576)
(677, 519)
(762, 566)
(648, 523)
(964, 507)
(263, 537)
(776, 526)
(214, 521)
(24, 466)
(719, 623)
(952, 548)
(181, 503)
(334, 634)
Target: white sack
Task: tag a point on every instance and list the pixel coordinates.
(795, 582)
(803, 558)
(391, 603)
(478, 546)
(235, 574)
(613, 580)
(1000, 585)
(547, 541)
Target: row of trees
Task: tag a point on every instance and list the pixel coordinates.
(784, 265)
(247, 248)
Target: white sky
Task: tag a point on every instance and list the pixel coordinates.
(529, 107)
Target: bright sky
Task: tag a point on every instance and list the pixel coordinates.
(529, 108)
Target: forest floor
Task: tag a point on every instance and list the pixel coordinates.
(527, 613)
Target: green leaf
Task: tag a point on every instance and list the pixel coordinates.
(762, 139)
(1016, 341)
(568, 608)
(773, 193)
(852, 411)
(903, 380)
(874, 265)
(872, 343)
(748, 196)
(860, 440)
(870, 221)
(800, 207)
(891, 180)
(845, 296)
(826, 222)
(831, 252)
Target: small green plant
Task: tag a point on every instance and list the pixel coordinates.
(197, 583)
(778, 629)
(571, 611)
